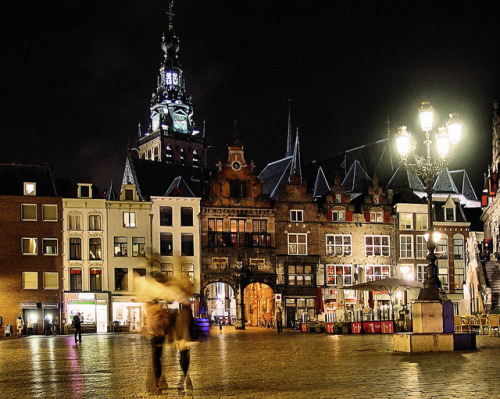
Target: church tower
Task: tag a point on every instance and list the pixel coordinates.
(171, 136)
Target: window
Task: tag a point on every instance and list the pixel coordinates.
(300, 275)
(121, 279)
(338, 244)
(95, 250)
(186, 216)
(138, 246)
(74, 222)
(377, 217)
(169, 155)
(29, 246)
(28, 212)
(166, 244)
(336, 273)
(442, 248)
(196, 159)
(215, 236)
(128, 219)
(449, 214)
(338, 198)
(458, 247)
(49, 246)
(51, 280)
(406, 246)
(406, 221)
(29, 188)
(238, 189)
(421, 247)
(121, 246)
(421, 270)
(443, 277)
(95, 222)
(30, 280)
(421, 221)
(338, 216)
(187, 245)
(155, 154)
(297, 244)
(459, 279)
(49, 213)
(182, 156)
(84, 190)
(75, 279)
(377, 245)
(296, 216)
(238, 237)
(167, 269)
(187, 269)
(95, 279)
(129, 192)
(165, 216)
(260, 238)
(377, 272)
(75, 248)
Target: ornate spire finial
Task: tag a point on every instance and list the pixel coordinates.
(289, 145)
(171, 15)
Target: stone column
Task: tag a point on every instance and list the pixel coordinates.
(240, 307)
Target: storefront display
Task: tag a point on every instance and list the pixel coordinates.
(93, 309)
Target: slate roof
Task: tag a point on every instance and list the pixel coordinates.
(179, 187)
(438, 212)
(321, 186)
(154, 178)
(275, 177)
(13, 177)
(402, 179)
(463, 184)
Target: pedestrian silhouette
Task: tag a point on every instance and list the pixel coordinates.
(77, 324)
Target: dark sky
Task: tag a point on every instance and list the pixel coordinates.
(77, 76)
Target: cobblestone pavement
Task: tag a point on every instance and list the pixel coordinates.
(256, 363)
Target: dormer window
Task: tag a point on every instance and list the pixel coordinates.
(338, 216)
(128, 193)
(449, 214)
(296, 215)
(84, 190)
(29, 188)
(338, 198)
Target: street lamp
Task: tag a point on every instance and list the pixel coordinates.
(428, 169)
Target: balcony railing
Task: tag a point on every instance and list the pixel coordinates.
(239, 240)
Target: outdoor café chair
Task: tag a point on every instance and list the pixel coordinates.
(494, 324)
(457, 321)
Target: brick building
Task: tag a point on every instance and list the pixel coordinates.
(30, 247)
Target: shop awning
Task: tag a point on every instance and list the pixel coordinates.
(387, 285)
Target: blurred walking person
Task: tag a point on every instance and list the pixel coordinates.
(279, 320)
(77, 324)
(29, 326)
(19, 326)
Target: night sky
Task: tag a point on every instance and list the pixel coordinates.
(77, 76)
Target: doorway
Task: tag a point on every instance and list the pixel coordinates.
(221, 303)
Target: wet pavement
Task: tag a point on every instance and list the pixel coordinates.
(255, 363)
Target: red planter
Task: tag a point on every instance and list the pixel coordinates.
(371, 327)
(329, 328)
(303, 327)
(387, 327)
(356, 328)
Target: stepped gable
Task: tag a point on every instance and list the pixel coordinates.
(14, 176)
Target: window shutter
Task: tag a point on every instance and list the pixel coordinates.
(348, 216)
(329, 216)
(387, 217)
(367, 216)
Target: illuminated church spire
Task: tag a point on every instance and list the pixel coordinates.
(289, 139)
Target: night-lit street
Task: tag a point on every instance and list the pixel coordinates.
(251, 363)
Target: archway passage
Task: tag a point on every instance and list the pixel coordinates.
(221, 303)
(259, 305)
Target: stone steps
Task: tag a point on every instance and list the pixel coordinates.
(492, 270)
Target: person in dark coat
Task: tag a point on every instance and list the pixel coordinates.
(158, 321)
(78, 327)
(279, 320)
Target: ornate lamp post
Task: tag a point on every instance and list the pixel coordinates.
(428, 169)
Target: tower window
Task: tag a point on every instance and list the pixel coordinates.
(196, 159)
(168, 154)
(238, 189)
(182, 157)
(156, 154)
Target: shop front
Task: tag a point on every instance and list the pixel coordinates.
(41, 318)
(93, 309)
(128, 315)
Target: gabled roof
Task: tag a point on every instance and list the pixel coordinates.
(275, 176)
(179, 188)
(444, 183)
(154, 178)
(439, 207)
(321, 186)
(463, 184)
(13, 177)
(356, 179)
(402, 179)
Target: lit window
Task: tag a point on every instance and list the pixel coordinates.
(338, 198)
(28, 212)
(459, 279)
(95, 279)
(377, 245)
(377, 272)
(421, 247)
(49, 213)
(29, 246)
(338, 216)
(167, 269)
(74, 222)
(128, 219)
(443, 277)
(75, 248)
(296, 216)
(297, 244)
(29, 280)
(421, 272)
(335, 273)
(121, 246)
(95, 250)
(405, 221)
(442, 247)
(166, 244)
(29, 188)
(338, 244)
(75, 279)
(377, 217)
(188, 270)
(406, 246)
(138, 246)
(49, 246)
(51, 280)
(421, 221)
(458, 247)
